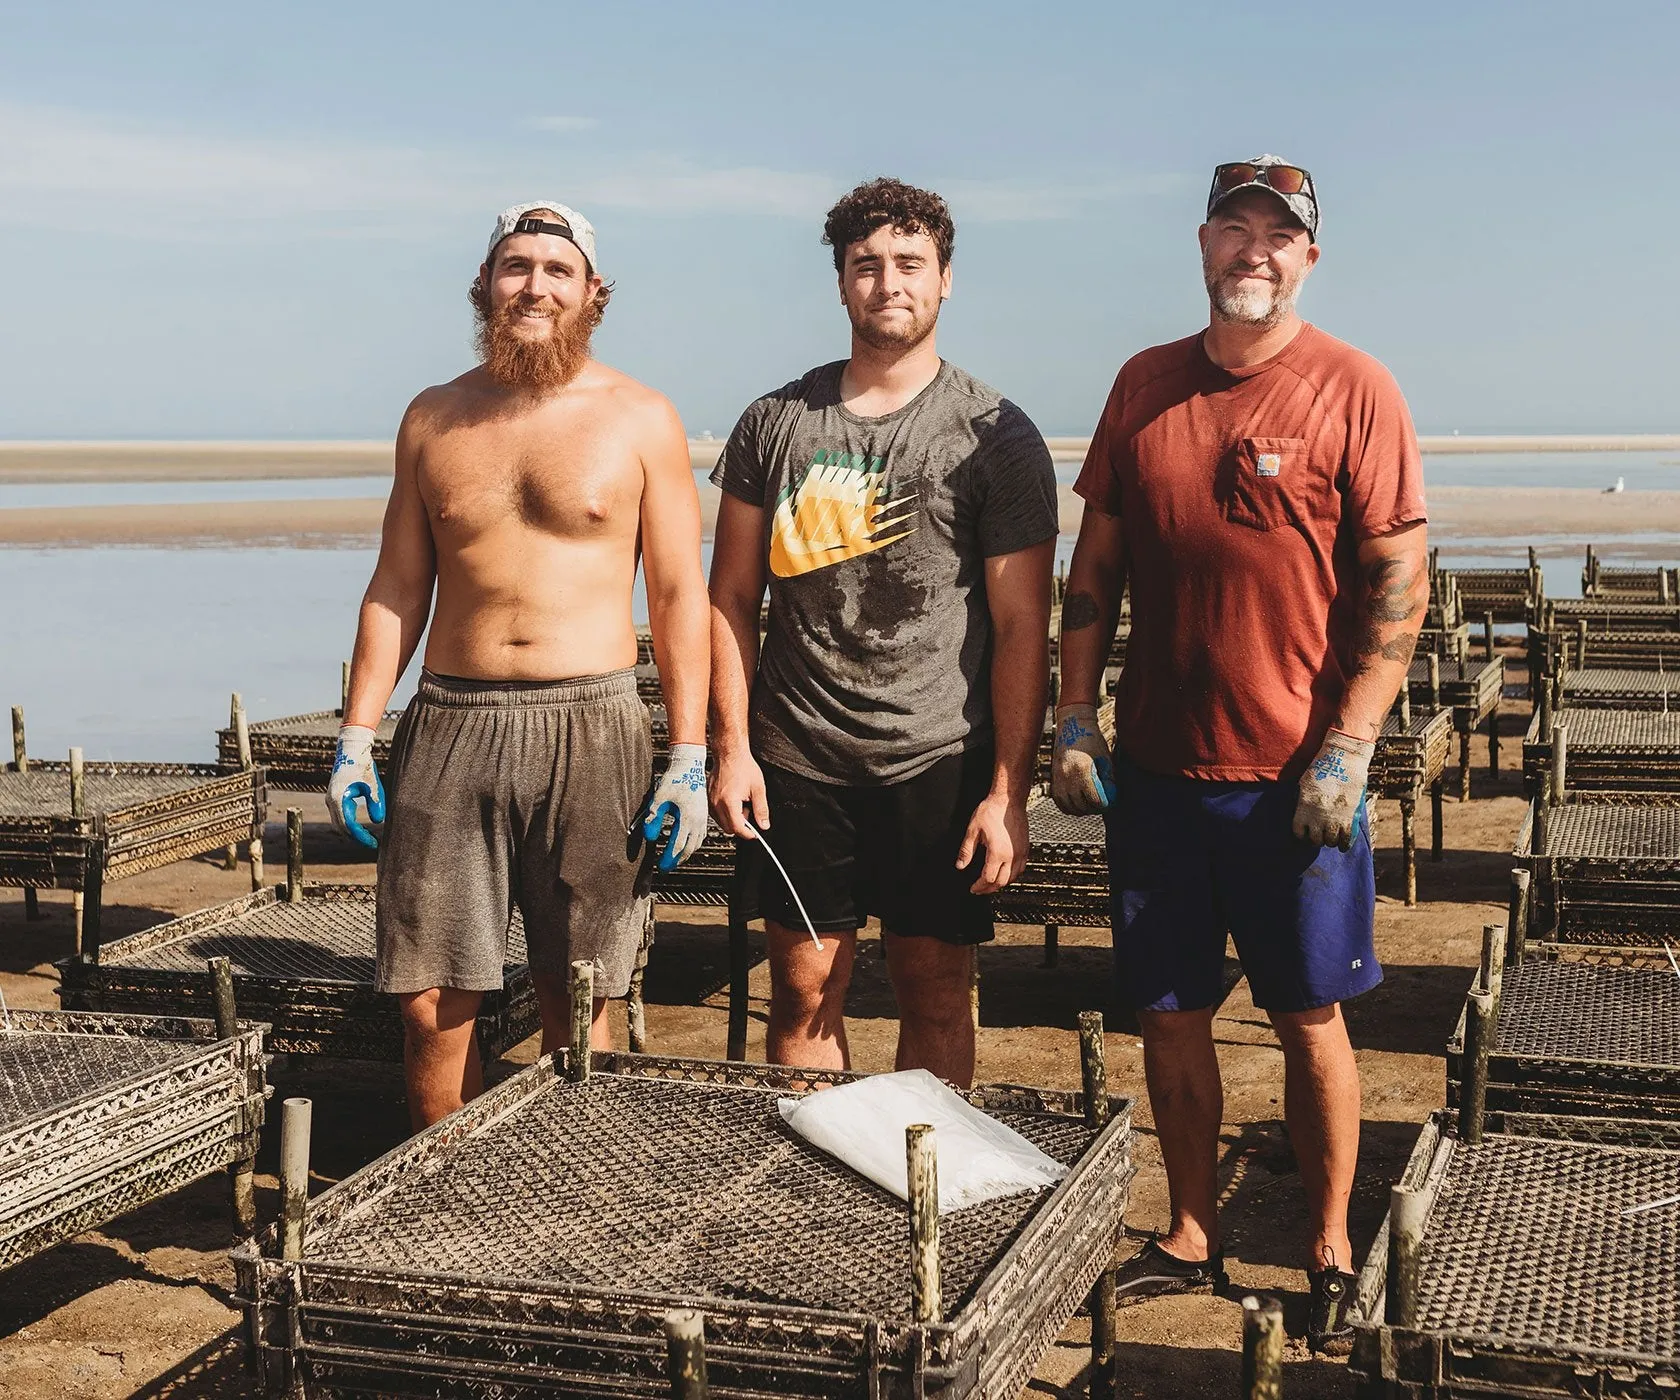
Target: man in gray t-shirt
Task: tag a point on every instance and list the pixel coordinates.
(904, 516)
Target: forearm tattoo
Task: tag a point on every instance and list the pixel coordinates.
(1392, 613)
(1079, 610)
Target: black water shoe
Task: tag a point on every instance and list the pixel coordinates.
(1328, 1328)
(1153, 1273)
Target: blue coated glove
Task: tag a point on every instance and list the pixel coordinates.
(681, 795)
(1081, 767)
(1333, 791)
(356, 779)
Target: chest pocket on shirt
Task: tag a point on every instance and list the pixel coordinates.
(1271, 483)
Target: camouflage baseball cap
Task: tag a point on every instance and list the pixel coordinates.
(568, 223)
(1290, 183)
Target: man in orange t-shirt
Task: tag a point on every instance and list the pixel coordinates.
(1259, 487)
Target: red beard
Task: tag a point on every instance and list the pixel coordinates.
(543, 364)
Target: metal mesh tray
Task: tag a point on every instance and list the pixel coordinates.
(531, 1244)
(1579, 1036)
(1410, 758)
(139, 816)
(100, 1114)
(1606, 873)
(1471, 689)
(298, 750)
(1532, 1281)
(1617, 755)
(305, 968)
(1619, 688)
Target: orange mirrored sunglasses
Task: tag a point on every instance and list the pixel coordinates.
(1285, 179)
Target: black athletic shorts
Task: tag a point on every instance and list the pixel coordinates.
(889, 851)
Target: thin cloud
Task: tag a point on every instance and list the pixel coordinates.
(566, 123)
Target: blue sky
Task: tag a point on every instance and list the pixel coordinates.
(259, 221)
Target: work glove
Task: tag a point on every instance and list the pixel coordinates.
(1333, 791)
(681, 795)
(1081, 768)
(355, 779)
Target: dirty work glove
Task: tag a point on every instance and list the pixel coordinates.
(1333, 791)
(681, 795)
(355, 779)
(1081, 769)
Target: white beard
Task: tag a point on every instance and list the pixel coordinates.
(1253, 304)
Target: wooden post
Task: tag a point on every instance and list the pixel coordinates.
(294, 1175)
(1478, 1045)
(1487, 634)
(739, 970)
(89, 939)
(1408, 846)
(1539, 841)
(1405, 708)
(1052, 944)
(974, 986)
(242, 1171)
(1434, 682)
(294, 856)
(1262, 1372)
(236, 707)
(78, 811)
(635, 1014)
(685, 1353)
(1558, 784)
(922, 1169)
(1408, 1213)
(1093, 1073)
(1492, 969)
(1516, 922)
(583, 1015)
(1437, 833)
(1464, 763)
(1493, 739)
(242, 736)
(1581, 642)
(20, 761)
(343, 688)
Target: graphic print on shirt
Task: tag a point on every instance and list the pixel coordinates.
(841, 509)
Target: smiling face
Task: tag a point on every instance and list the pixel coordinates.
(538, 305)
(891, 285)
(1255, 255)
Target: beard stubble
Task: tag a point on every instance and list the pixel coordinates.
(909, 337)
(1250, 305)
(540, 364)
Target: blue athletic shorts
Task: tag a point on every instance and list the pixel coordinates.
(1189, 860)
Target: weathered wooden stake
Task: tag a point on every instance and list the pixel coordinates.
(343, 688)
(1560, 762)
(1539, 842)
(236, 707)
(1434, 663)
(1478, 1044)
(78, 810)
(242, 736)
(1437, 818)
(1581, 642)
(294, 1175)
(1517, 916)
(1487, 634)
(685, 1353)
(974, 986)
(1493, 741)
(1492, 970)
(20, 761)
(294, 856)
(1405, 709)
(1464, 765)
(583, 1014)
(635, 1014)
(242, 1171)
(1408, 1212)
(1262, 1372)
(1093, 1070)
(1093, 1073)
(1408, 846)
(1052, 944)
(921, 1159)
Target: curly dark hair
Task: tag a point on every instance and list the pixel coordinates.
(884, 201)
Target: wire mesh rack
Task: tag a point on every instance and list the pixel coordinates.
(136, 817)
(1471, 689)
(298, 750)
(1603, 872)
(307, 969)
(101, 1114)
(1616, 755)
(1621, 688)
(1582, 1033)
(1532, 1278)
(1506, 593)
(531, 1244)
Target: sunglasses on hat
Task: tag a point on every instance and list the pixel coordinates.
(1285, 179)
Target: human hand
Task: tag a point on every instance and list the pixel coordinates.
(738, 797)
(355, 778)
(999, 825)
(679, 794)
(1333, 790)
(1081, 768)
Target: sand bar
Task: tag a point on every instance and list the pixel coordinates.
(1517, 514)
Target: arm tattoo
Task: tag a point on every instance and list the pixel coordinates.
(1391, 615)
(1079, 610)
(1391, 586)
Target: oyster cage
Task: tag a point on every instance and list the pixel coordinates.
(138, 816)
(101, 1114)
(1616, 755)
(1586, 1034)
(298, 750)
(1604, 873)
(531, 1244)
(1532, 1281)
(306, 969)
(1610, 688)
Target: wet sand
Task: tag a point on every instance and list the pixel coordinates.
(1487, 519)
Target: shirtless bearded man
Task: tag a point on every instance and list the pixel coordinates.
(525, 490)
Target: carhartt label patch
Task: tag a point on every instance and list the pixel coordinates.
(1268, 464)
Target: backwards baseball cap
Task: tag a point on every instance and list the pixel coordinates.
(1290, 183)
(567, 223)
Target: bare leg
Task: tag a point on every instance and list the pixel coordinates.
(554, 1004)
(1321, 1106)
(808, 998)
(440, 1052)
(935, 1026)
(1188, 1101)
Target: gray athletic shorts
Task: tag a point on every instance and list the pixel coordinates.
(507, 793)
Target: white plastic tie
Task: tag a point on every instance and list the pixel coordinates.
(809, 927)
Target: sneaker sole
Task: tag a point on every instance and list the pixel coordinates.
(1166, 1285)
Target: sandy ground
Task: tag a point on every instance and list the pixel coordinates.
(1495, 518)
(141, 1307)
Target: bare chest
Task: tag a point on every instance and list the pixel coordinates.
(574, 484)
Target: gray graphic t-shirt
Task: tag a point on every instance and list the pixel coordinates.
(876, 661)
